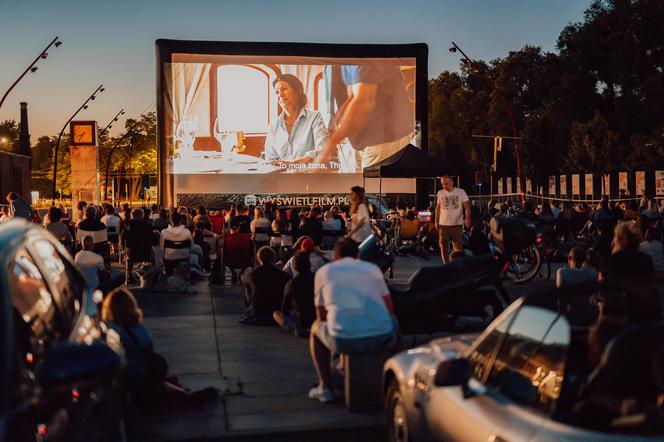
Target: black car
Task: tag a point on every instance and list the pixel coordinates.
(60, 370)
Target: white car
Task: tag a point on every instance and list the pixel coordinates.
(525, 378)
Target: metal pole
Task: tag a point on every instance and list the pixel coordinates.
(507, 110)
(42, 54)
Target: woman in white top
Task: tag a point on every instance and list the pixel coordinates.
(260, 227)
(653, 248)
(283, 228)
(360, 223)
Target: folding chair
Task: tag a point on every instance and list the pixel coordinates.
(182, 249)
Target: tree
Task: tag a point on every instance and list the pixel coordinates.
(594, 146)
(9, 135)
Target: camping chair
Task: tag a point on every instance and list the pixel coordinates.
(237, 253)
(171, 264)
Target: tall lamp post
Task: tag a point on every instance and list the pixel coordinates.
(110, 124)
(508, 110)
(131, 132)
(32, 68)
(99, 89)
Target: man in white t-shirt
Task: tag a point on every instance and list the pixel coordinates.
(353, 311)
(451, 203)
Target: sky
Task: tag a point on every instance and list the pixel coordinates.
(112, 42)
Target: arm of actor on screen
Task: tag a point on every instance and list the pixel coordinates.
(320, 134)
(361, 102)
(269, 151)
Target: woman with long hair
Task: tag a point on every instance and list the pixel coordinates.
(360, 222)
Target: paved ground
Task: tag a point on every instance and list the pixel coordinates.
(264, 372)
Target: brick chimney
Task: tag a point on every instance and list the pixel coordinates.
(24, 137)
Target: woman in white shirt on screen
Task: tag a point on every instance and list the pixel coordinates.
(298, 134)
(359, 216)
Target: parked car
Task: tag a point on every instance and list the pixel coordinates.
(526, 378)
(60, 371)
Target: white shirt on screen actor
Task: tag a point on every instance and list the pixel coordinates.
(307, 137)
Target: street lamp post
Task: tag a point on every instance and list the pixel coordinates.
(32, 68)
(99, 89)
(508, 110)
(110, 124)
(131, 133)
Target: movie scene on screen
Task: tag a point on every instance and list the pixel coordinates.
(237, 114)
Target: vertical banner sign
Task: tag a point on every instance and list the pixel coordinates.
(622, 182)
(606, 184)
(659, 182)
(518, 185)
(529, 185)
(576, 185)
(509, 184)
(500, 186)
(563, 186)
(641, 183)
(589, 185)
(552, 185)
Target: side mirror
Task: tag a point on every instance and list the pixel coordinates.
(452, 373)
(74, 362)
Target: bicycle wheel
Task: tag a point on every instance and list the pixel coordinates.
(525, 265)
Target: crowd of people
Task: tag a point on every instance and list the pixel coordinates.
(300, 269)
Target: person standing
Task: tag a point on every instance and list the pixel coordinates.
(360, 221)
(451, 204)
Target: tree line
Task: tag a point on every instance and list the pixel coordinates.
(596, 105)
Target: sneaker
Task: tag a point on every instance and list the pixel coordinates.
(321, 394)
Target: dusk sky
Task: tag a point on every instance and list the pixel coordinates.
(112, 42)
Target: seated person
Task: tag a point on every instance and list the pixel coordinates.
(409, 227)
(578, 270)
(57, 227)
(308, 246)
(176, 231)
(652, 247)
(331, 229)
(353, 313)
(157, 251)
(90, 225)
(137, 240)
(112, 223)
(151, 388)
(97, 272)
(297, 307)
(264, 288)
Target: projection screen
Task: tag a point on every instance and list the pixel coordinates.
(284, 118)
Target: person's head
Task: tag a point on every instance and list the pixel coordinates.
(327, 215)
(357, 194)
(308, 245)
(88, 242)
(183, 211)
(266, 256)
(90, 212)
(137, 214)
(625, 238)
(155, 208)
(124, 206)
(239, 209)
(604, 203)
(198, 236)
(346, 248)
(234, 226)
(163, 213)
(258, 212)
(176, 219)
(334, 210)
(577, 257)
(54, 214)
(201, 210)
(651, 235)
(447, 182)
(301, 262)
(290, 92)
(546, 208)
(12, 196)
(315, 212)
(109, 210)
(121, 307)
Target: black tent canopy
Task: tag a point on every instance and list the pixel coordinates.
(409, 162)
